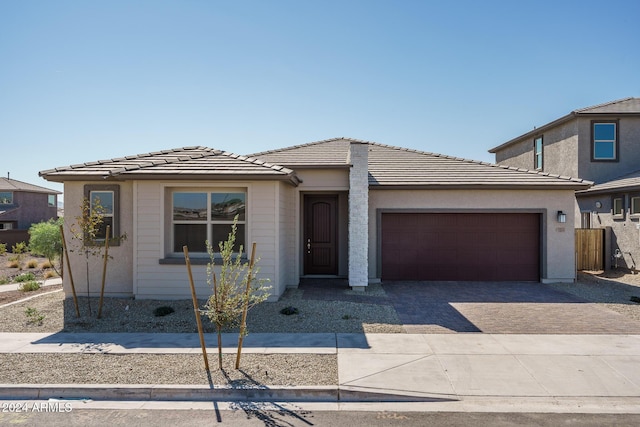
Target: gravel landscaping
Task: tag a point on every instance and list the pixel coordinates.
(613, 290)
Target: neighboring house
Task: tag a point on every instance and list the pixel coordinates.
(335, 208)
(599, 144)
(23, 204)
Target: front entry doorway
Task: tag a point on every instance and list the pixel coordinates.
(320, 234)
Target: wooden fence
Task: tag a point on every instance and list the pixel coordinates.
(589, 248)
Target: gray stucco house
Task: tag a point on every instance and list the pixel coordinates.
(21, 205)
(340, 207)
(600, 144)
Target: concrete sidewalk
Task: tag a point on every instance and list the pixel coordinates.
(452, 368)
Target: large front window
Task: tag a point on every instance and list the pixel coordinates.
(605, 140)
(200, 216)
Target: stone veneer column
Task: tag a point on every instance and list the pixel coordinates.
(358, 215)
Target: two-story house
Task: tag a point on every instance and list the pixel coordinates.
(23, 204)
(600, 144)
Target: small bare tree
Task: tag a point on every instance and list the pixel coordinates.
(88, 231)
(235, 291)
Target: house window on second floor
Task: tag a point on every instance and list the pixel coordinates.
(6, 198)
(537, 153)
(617, 204)
(604, 140)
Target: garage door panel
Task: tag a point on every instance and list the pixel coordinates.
(462, 247)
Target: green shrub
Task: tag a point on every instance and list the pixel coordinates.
(3, 248)
(19, 248)
(29, 286)
(4, 280)
(25, 277)
(34, 316)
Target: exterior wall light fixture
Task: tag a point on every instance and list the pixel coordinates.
(561, 217)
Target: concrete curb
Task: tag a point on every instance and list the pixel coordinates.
(198, 393)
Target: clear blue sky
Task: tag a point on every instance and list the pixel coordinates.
(88, 80)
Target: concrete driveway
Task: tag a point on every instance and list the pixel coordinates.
(500, 308)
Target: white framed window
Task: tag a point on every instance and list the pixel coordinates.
(617, 207)
(51, 200)
(604, 138)
(108, 195)
(200, 215)
(104, 199)
(537, 153)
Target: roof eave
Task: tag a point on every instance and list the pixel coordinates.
(59, 177)
(535, 131)
(568, 186)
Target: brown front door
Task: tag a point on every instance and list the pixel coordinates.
(321, 234)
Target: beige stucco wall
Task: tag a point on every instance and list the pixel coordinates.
(325, 181)
(119, 278)
(557, 258)
(152, 219)
(135, 268)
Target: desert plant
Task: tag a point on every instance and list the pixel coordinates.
(4, 280)
(29, 286)
(236, 288)
(13, 263)
(19, 250)
(49, 274)
(25, 277)
(3, 248)
(46, 265)
(163, 311)
(32, 263)
(45, 239)
(34, 316)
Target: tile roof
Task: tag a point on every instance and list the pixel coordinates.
(626, 182)
(626, 105)
(392, 167)
(7, 184)
(619, 107)
(179, 163)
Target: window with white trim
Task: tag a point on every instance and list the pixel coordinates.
(102, 201)
(198, 216)
(617, 204)
(604, 139)
(537, 153)
(108, 197)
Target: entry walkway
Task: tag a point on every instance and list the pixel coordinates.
(442, 367)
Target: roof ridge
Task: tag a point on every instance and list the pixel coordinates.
(580, 110)
(309, 144)
(259, 162)
(212, 152)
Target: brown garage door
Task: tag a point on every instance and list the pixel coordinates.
(463, 246)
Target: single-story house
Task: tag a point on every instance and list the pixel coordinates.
(340, 207)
